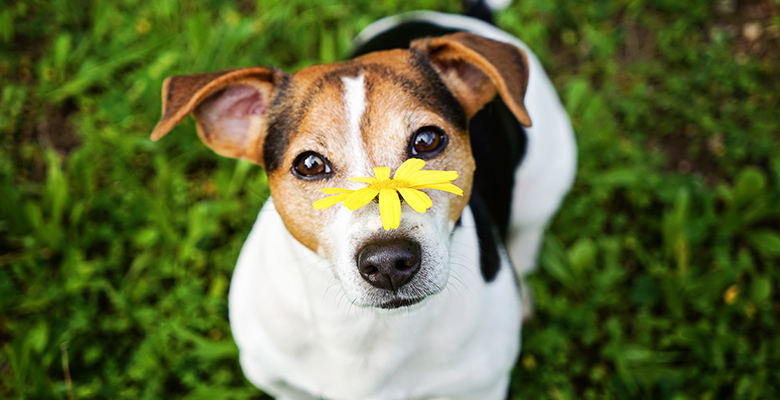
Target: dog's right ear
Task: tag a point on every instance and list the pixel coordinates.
(476, 68)
(230, 107)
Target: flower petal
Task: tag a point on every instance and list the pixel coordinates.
(382, 173)
(431, 177)
(447, 187)
(419, 201)
(329, 201)
(336, 191)
(363, 180)
(359, 198)
(389, 209)
(408, 168)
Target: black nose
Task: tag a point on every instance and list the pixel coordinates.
(389, 264)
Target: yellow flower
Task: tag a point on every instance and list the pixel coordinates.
(730, 295)
(406, 183)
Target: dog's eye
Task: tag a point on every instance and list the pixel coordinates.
(427, 142)
(311, 166)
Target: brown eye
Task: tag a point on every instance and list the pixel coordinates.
(427, 142)
(311, 166)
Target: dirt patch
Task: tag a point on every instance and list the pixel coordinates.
(751, 23)
(52, 129)
(686, 156)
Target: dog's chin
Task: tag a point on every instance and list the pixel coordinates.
(401, 303)
(387, 302)
(406, 299)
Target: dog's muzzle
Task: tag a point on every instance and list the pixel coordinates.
(389, 264)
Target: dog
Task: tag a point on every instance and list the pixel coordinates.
(436, 311)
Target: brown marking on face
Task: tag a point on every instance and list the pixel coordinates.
(400, 97)
(319, 129)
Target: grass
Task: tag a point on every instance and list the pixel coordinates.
(658, 277)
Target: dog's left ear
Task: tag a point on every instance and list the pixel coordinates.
(475, 68)
(230, 107)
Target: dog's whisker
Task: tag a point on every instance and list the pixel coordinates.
(454, 286)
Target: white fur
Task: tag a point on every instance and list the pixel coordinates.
(295, 327)
(494, 5)
(354, 97)
(355, 101)
(296, 315)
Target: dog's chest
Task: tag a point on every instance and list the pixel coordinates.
(296, 330)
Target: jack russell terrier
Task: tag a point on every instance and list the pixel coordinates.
(327, 303)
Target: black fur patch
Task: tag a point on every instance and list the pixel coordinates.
(434, 93)
(489, 258)
(498, 144)
(282, 120)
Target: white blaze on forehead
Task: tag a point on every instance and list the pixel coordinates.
(355, 101)
(355, 104)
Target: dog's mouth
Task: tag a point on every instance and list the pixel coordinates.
(398, 303)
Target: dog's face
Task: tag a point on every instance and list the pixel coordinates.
(375, 111)
(327, 123)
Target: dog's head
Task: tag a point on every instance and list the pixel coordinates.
(327, 123)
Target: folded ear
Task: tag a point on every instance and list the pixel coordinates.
(475, 68)
(230, 107)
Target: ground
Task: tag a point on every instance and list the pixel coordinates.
(658, 278)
